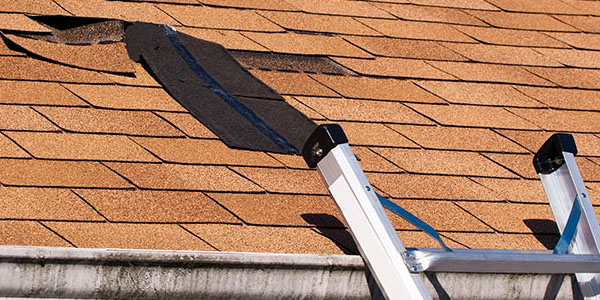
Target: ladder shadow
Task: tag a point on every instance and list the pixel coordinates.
(544, 230)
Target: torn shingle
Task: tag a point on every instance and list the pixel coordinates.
(81, 31)
(288, 62)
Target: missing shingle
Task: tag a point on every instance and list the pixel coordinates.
(80, 31)
(289, 62)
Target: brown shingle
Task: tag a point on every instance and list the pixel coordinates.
(14, 117)
(290, 161)
(373, 162)
(307, 111)
(156, 206)
(257, 4)
(285, 180)
(219, 18)
(470, 4)
(520, 190)
(419, 239)
(183, 177)
(264, 239)
(372, 134)
(232, 40)
(102, 57)
(90, 120)
(81, 146)
(443, 162)
(32, 92)
(125, 97)
(195, 151)
(454, 138)
(441, 215)
(585, 23)
(511, 217)
(26, 68)
(136, 236)
(28, 233)
(409, 186)
(377, 88)
(306, 44)
(502, 54)
(4, 50)
(569, 77)
(284, 210)
(587, 144)
(364, 110)
(518, 163)
(542, 6)
(475, 116)
(522, 21)
(404, 48)
(393, 67)
(318, 23)
(501, 241)
(510, 37)
(478, 93)
(45, 7)
(431, 14)
(578, 40)
(188, 124)
(45, 173)
(416, 30)
(140, 78)
(19, 22)
(293, 83)
(43, 203)
(490, 73)
(560, 120)
(563, 98)
(8, 149)
(574, 58)
(341, 7)
(144, 12)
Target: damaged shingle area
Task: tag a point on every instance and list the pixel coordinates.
(107, 157)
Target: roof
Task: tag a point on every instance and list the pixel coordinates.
(444, 102)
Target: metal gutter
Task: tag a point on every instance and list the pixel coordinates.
(68, 273)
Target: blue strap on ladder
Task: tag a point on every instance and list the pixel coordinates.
(569, 232)
(412, 219)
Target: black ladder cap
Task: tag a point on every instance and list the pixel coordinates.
(549, 158)
(321, 141)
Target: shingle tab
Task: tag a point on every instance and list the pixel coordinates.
(342, 7)
(512, 217)
(81, 146)
(574, 58)
(393, 67)
(188, 124)
(45, 7)
(469, 4)
(563, 98)
(26, 68)
(136, 236)
(13, 117)
(231, 40)
(542, 6)
(503, 241)
(405, 48)
(306, 44)
(410, 186)
(283, 210)
(8, 149)
(293, 83)
(28, 233)
(156, 206)
(520, 164)
(522, 21)
(257, 4)
(473, 116)
(373, 162)
(519, 190)
(431, 14)
(510, 37)
(318, 23)
(34, 92)
(285, 180)
(569, 77)
(490, 73)
(19, 22)
(195, 151)
(143, 12)
(479, 93)
(126, 97)
(88, 120)
(560, 120)
(578, 40)
(585, 23)
(373, 134)
(183, 177)
(503, 54)
(339, 109)
(264, 239)
(44, 204)
(44, 173)
(220, 18)
(443, 162)
(454, 138)
(417, 30)
(377, 88)
(587, 144)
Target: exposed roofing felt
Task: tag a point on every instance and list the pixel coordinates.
(443, 101)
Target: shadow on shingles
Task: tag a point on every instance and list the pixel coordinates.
(333, 229)
(544, 230)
